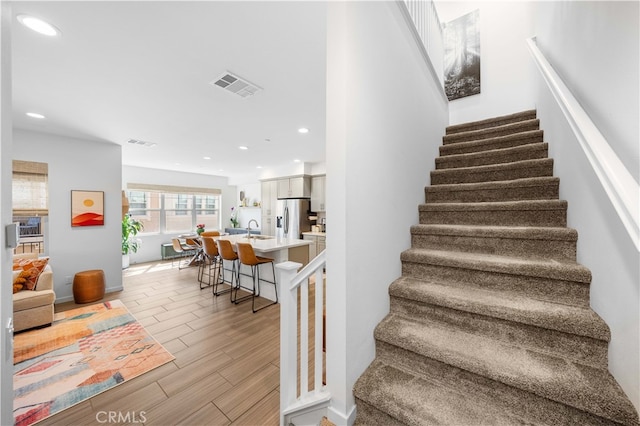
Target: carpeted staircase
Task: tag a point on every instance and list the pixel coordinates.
(490, 322)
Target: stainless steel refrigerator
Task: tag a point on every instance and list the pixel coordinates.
(293, 218)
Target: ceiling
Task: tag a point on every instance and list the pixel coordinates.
(142, 70)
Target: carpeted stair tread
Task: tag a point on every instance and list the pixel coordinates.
(515, 232)
(494, 172)
(496, 156)
(416, 400)
(492, 122)
(541, 268)
(499, 142)
(497, 205)
(584, 387)
(549, 213)
(546, 187)
(575, 320)
(524, 241)
(492, 132)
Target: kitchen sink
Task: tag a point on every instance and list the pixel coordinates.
(260, 237)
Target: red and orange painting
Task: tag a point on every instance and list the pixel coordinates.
(87, 208)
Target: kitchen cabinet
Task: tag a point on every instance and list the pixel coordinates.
(318, 184)
(269, 201)
(269, 197)
(318, 243)
(295, 187)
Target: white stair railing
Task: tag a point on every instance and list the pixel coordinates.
(428, 28)
(294, 285)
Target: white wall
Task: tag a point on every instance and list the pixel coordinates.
(80, 165)
(150, 248)
(595, 47)
(608, 34)
(385, 119)
(506, 74)
(6, 304)
(253, 192)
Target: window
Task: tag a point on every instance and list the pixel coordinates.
(146, 207)
(174, 210)
(30, 192)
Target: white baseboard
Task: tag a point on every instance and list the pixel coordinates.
(70, 298)
(340, 419)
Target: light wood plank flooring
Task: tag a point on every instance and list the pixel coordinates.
(227, 362)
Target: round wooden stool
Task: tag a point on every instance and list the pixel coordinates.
(88, 286)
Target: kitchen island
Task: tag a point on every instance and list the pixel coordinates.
(277, 248)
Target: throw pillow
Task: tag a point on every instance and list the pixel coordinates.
(33, 267)
(19, 280)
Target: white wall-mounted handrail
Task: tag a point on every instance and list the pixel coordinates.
(290, 374)
(618, 183)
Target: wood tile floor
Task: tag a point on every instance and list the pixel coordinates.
(227, 362)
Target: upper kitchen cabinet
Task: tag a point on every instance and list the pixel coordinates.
(318, 193)
(295, 187)
(269, 197)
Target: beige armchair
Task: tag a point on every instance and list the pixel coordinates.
(33, 308)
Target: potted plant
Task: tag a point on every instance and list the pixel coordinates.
(130, 244)
(234, 218)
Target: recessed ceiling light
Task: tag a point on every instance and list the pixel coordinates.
(35, 115)
(206, 158)
(296, 161)
(267, 140)
(303, 130)
(258, 167)
(38, 25)
(177, 164)
(244, 148)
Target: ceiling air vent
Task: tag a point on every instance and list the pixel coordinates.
(141, 143)
(237, 85)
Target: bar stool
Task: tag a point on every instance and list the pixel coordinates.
(247, 256)
(210, 260)
(225, 250)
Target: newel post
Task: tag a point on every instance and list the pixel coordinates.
(285, 272)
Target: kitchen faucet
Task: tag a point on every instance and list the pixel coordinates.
(249, 227)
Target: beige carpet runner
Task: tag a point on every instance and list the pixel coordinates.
(490, 322)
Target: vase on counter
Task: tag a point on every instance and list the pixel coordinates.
(199, 231)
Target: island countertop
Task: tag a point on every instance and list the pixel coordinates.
(265, 243)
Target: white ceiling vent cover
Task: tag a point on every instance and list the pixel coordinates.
(141, 143)
(237, 85)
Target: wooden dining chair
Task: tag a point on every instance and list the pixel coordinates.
(181, 250)
(210, 234)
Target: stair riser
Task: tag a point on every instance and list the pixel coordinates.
(508, 156)
(453, 176)
(536, 409)
(521, 247)
(560, 291)
(491, 144)
(485, 124)
(496, 217)
(369, 415)
(491, 133)
(577, 348)
(513, 193)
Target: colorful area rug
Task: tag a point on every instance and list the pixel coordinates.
(85, 352)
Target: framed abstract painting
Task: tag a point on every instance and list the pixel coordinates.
(87, 208)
